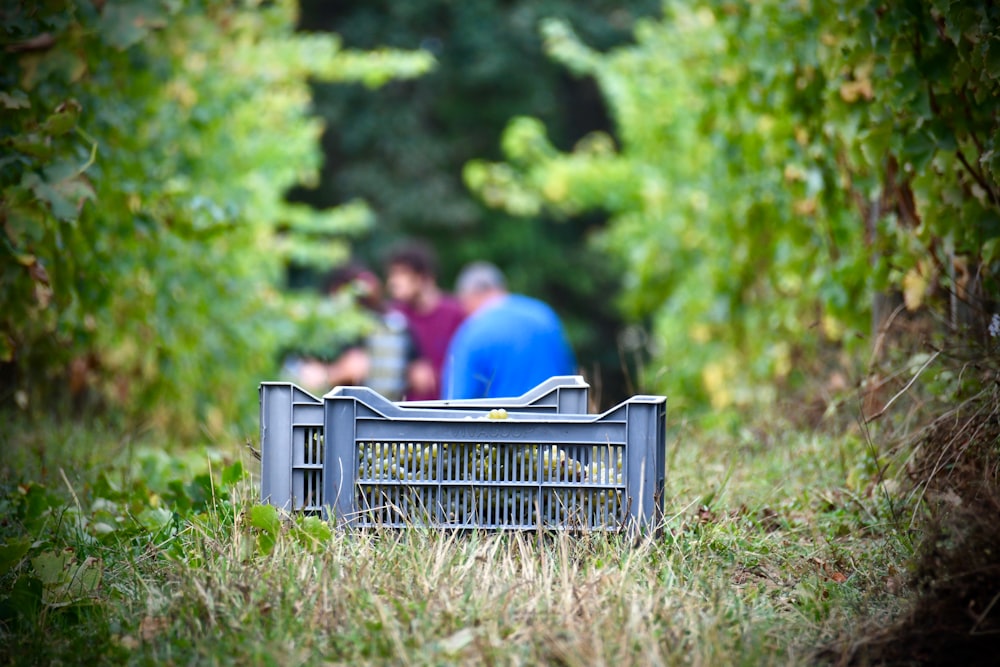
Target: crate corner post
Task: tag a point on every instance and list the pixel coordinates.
(646, 459)
(340, 458)
(275, 439)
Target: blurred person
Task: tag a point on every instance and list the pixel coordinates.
(508, 344)
(384, 360)
(433, 315)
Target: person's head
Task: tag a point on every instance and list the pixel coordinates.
(478, 283)
(365, 285)
(411, 270)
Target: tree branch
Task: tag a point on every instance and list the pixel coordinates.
(968, 116)
(977, 176)
(902, 391)
(41, 42)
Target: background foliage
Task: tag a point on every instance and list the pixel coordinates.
(777, 165)
(148, 146)
(730, 198)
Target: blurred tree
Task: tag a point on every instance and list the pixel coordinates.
(775, 165)
(143, 229)
(402, 148)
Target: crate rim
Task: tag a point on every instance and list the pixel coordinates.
(540, 390)
(389, 410)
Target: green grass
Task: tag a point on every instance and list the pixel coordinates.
(775, 542)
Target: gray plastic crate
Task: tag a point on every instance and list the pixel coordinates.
(291, 432)
(393, 466)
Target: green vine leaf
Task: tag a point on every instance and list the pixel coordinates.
(125, 24)
(13, 551)
(63, 119)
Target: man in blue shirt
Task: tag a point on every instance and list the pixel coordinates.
(507, 345)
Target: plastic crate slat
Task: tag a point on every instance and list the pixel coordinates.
(500, 485)
(496, 431)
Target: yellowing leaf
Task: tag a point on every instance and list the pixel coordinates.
(852, 91)
(556, 188)
(804, 206)
(716, 380)
(832, 327)
(914, 288)
(782, 354)
(794, 173)
(6, 350)
(700, 333)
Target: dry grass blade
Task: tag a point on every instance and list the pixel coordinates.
(906, 388)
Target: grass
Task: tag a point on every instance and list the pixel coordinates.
(777, 540)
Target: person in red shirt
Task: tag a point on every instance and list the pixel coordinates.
(432, 315)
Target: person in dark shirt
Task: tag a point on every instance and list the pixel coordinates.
(508, 344)
(385, 359)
